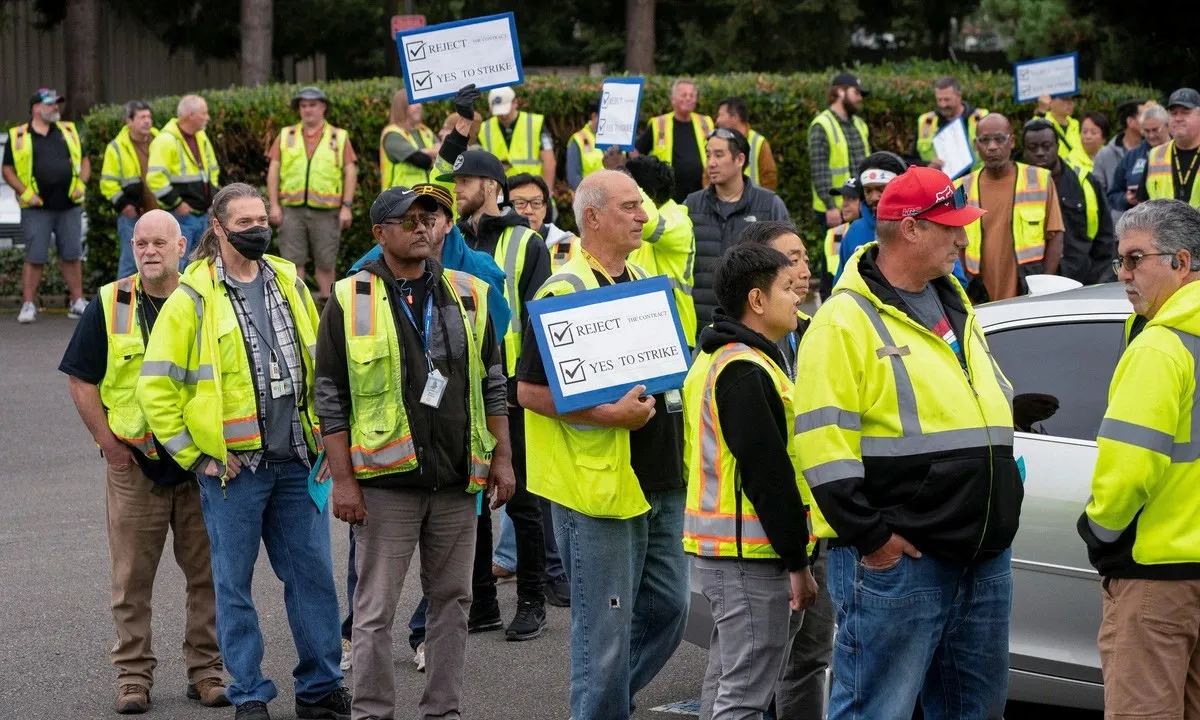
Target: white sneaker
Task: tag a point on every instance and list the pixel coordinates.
(28, 313)
(77, 309)
(419, 658)
(346, 664)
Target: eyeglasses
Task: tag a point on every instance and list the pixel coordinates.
(534, 204)
(986, 140)
(410, 223)
(958, 200)
(1130, 261)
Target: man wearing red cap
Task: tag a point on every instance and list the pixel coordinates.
(911, 468)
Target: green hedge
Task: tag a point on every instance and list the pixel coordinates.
(244, 122)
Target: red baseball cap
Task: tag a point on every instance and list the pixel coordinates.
(927, 194)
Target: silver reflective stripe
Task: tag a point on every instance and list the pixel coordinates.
(531, 158)
(1104, 534)
(511, 255)
(658, 229)
(826, 417)
(393, 455)
(680, 287)
(198, 303)
(312, 350)
(178, 443)
(116, 148)
(166, 368)
(575, 283)
(1029, 196)
(1137, 435)
(906, 397)
(240, 429)
(710, 461)
(935, 442)
(833, 471)
(364, 308)
(164, 191)
(185, 178)
(123, 309)
(479, 471)
(580, 427)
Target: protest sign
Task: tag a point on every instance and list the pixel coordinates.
(1057, 75)
(953, 147)
(620, 102)
(597, 344)
(438, 60)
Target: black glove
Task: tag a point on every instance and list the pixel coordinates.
(464, 100)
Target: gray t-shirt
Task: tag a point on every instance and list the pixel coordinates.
(277, 435)
(926, 305)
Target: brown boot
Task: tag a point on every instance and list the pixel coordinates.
(209, 691)
(133, 700)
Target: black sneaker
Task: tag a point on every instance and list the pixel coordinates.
(484, 617)
(253, 710)
(334, 706)
(558, 591)
(529, 622)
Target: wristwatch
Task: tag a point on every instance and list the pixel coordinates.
(347, 203)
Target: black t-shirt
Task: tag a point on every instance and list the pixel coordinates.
(86, 358)
(656, 451)
(1185, 165)
(51, 168)
(686, 159)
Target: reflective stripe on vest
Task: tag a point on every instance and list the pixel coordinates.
(126, 347)
(1028, 217)
(839, 152)
(21, 151)
(833, 246)
(524, 154)
(404, 173)
(1160, 176)
(591, 158)
(563, 252)
(314, 181)
(756, 142)
(663, 135)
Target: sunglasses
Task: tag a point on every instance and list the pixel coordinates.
(722, 133)
(410, 223)
(1131, 261)
(958, 201)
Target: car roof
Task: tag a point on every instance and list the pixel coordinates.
(1107, 299)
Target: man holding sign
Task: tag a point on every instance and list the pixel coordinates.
(614, 476)
(950, 107)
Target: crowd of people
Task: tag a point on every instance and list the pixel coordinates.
(793, 501)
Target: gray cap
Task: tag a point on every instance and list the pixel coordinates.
(395, 201)
(309, 93)
(1184, 97)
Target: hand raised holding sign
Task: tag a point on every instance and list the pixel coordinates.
(632, 411)
(464, 102)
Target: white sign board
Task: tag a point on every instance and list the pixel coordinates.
(438, 60)
(953, 148)
(620, 102)
(1058, 75)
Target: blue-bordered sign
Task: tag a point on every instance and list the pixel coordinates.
(597, 344)
(1053, 76)
(436, 61)
(620, 102)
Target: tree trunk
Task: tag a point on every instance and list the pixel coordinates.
(80, 38)
(391, 54)
(257, 33)
(639, 36)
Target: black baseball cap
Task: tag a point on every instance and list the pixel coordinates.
(849, 79)
(477, 163)
(46, 96)
(1184, 97)
(849, 189)
(396, 201)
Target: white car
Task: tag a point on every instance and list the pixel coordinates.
(10, 212)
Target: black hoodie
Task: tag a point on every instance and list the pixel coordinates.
(757, 433)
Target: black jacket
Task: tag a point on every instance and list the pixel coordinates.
(1085, 260)
(959, 505)
(442, 435)
(717, 229)
(757, 433)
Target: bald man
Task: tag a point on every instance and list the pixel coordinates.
(182, 171)
(147, 493)
(1022, 232)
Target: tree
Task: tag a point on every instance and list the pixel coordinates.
(256, 32)
(639, 36)
(80, 41)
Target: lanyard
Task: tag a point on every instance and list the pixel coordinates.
(428, 323)
(794, 344)
(597, 266)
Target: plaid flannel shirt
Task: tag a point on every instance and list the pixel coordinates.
(285, 332)
(818, 156)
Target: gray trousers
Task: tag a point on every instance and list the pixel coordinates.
(443, 524)
(749, 602)
(800, 694)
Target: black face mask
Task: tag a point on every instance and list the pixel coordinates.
(250, 243)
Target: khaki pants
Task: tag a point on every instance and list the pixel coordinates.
(1148, 649)
(139, 515)
(304, 229)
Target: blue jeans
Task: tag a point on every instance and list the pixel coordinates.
(125, 263)
(505, 554)
(192, 227)
(629, 601)
(273, 505)
(924, 629)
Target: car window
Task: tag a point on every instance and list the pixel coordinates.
(1060, 374)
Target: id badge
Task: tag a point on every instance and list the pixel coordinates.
(276, 372)
(279, 388)
(435, 387)
(674, 400)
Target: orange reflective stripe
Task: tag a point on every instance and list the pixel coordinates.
(394, 454)
(242, 429)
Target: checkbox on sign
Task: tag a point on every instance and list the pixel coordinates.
(560, 333)
(422, 80)
(415, 50)
(572, 371)
(600, 126)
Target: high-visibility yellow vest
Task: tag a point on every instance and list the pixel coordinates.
(563, 251)
(1070, 145)
(121, 167)
(839, 152)
(1160, 178)
(719, 521)
(196, 388)
(909, 398)
(404, 174)
(1090, 201)
(21, 146)
(670, 250)
(756, 142)
(833, 247)
(1028, 220)
(118, 389)
(591, 157)
(662, 134)
(171, 161)
(524, 155)
(510, 256)
(927, 127)
(314, 181)
(381, 440)
(582, 467)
